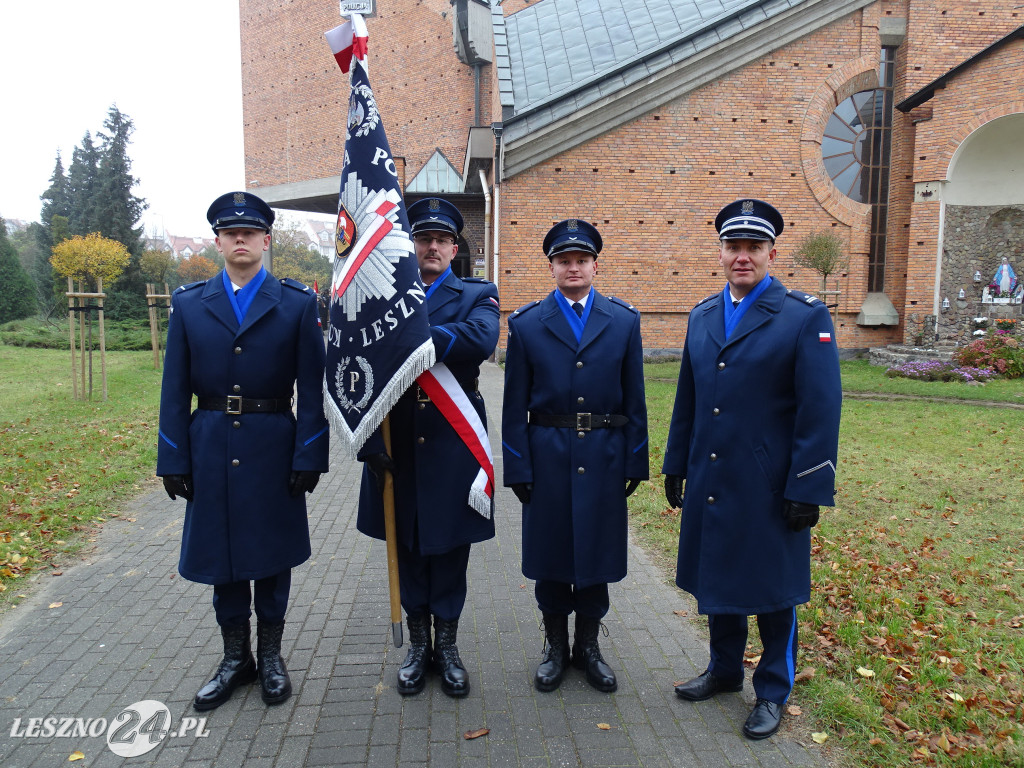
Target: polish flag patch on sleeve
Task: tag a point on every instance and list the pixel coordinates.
(824, 336)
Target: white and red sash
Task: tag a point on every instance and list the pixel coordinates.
(451, 400)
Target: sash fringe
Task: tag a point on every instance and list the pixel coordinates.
(480, 501)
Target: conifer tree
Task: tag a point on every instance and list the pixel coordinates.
(118, 211)
(17, 291)
(85, 161)
(56, 202)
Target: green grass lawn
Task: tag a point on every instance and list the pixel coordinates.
(913, 642)
(911, 648)
(66, 465)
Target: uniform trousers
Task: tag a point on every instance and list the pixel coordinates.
(773, 677)
(433, 584)
(560, 598)
(269, 596)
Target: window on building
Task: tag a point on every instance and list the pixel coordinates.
(856, 149)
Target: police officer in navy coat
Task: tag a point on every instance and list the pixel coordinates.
(754, 435)
(574, 447)
(432, 466)
(242, 342)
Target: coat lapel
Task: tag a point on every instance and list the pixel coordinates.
(218, 304)
(446, 292)
(600, 316)
(714, 319)
(267, 297)
(768, 305)
(553, 319)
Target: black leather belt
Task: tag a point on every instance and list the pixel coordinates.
(468, 386)
(234, 405)
(583, 422)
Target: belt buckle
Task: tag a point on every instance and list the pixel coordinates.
(236, 409)
(580, 427)
(421, 396)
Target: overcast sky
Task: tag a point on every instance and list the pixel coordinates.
(173, 68)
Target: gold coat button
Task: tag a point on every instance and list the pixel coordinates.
(236, 424)
(714, 457)
(421, 440)
(581, 435)
(715, 411)
(234, 462)
(580, 471)
(711, 499)
(579, 363)
(579, 401)
(238, 350)
(236, 388)
(721, 366)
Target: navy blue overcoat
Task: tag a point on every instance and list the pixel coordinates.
(243, 524)
(756, 421)
(575, 526)
(434, 469)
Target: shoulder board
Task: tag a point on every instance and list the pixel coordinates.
(525, 307)
(474, 280)
(623, 303)
(296, 285)
(189, 286)
(707, 298)
(806, 298)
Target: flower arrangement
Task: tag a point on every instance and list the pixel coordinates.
(999, 350)
(937, 370)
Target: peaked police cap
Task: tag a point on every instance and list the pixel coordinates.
(434, 214)
(239, 209)
(749, 220)
(572, 235)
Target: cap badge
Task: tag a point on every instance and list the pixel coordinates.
(572, 225)
(747, 207)
(239, 198)
(434, 204)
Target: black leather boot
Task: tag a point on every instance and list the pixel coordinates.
(586, 654)
(556, 653)
(237, 668)
(454, 680)
(277, 686)
(412, 675)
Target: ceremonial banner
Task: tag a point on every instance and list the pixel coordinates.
(379, 336)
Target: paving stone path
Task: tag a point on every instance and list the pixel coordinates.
(129, 629)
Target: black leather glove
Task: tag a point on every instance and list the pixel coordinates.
(631, 485)
(799, 515)
(674, 491)
(523, 491)
(303, 481)
(178, 485)
(379, 464)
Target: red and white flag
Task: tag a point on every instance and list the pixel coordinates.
(348, 40)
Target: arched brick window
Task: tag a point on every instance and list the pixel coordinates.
(855, 149)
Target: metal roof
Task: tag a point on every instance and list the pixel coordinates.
(564, 54)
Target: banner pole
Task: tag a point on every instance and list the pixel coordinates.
(391, 539)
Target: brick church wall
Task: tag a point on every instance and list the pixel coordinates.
(651, 186)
